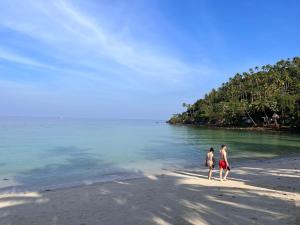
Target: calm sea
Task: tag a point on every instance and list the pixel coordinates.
(47, 153)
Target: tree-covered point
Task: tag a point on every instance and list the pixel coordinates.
(266, 96)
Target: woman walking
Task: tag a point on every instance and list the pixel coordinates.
(210, 162)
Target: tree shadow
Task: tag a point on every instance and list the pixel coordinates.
(285, 177)
(182, 197)
(166, 199)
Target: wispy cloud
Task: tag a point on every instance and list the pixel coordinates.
(143, 55)
(73, 34)
(92, 57)
(17, 58)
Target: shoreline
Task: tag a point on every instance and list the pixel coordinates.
(164, 172)
(256, 129)
(235, 162)
(265, 191)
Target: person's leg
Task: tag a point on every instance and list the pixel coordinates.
(209, 173)
(221, 173)
(226, 174)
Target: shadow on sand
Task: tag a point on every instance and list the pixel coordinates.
(183, 197)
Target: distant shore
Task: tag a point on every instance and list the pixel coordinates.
(258, 128)
(265, 191)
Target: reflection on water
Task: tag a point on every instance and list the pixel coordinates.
(55, 151)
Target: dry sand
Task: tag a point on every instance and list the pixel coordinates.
(259, 192)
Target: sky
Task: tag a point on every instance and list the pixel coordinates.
(133, 59)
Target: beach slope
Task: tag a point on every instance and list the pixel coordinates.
(259, 192)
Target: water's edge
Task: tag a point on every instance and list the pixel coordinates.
(235, 163)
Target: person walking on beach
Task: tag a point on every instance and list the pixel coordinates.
(210, 162)
(223, 163)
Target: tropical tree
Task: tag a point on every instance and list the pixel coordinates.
(251, 98)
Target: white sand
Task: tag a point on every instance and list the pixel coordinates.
(260, 192)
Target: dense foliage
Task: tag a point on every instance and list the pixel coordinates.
(266, 96)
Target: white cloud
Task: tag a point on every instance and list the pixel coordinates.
(75, 36)
(17, 58)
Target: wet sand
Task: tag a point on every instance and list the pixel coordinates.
(257, 192)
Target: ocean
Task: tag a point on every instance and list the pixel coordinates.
(41, 153)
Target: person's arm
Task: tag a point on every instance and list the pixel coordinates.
(225, 158)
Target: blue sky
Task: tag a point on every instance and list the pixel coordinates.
(133, 59)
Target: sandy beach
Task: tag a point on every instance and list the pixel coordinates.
(259, 192)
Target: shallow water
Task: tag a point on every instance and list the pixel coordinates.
(59, 152)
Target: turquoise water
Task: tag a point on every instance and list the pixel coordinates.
(54, 152)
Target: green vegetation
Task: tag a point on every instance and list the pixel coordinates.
(267, 96)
